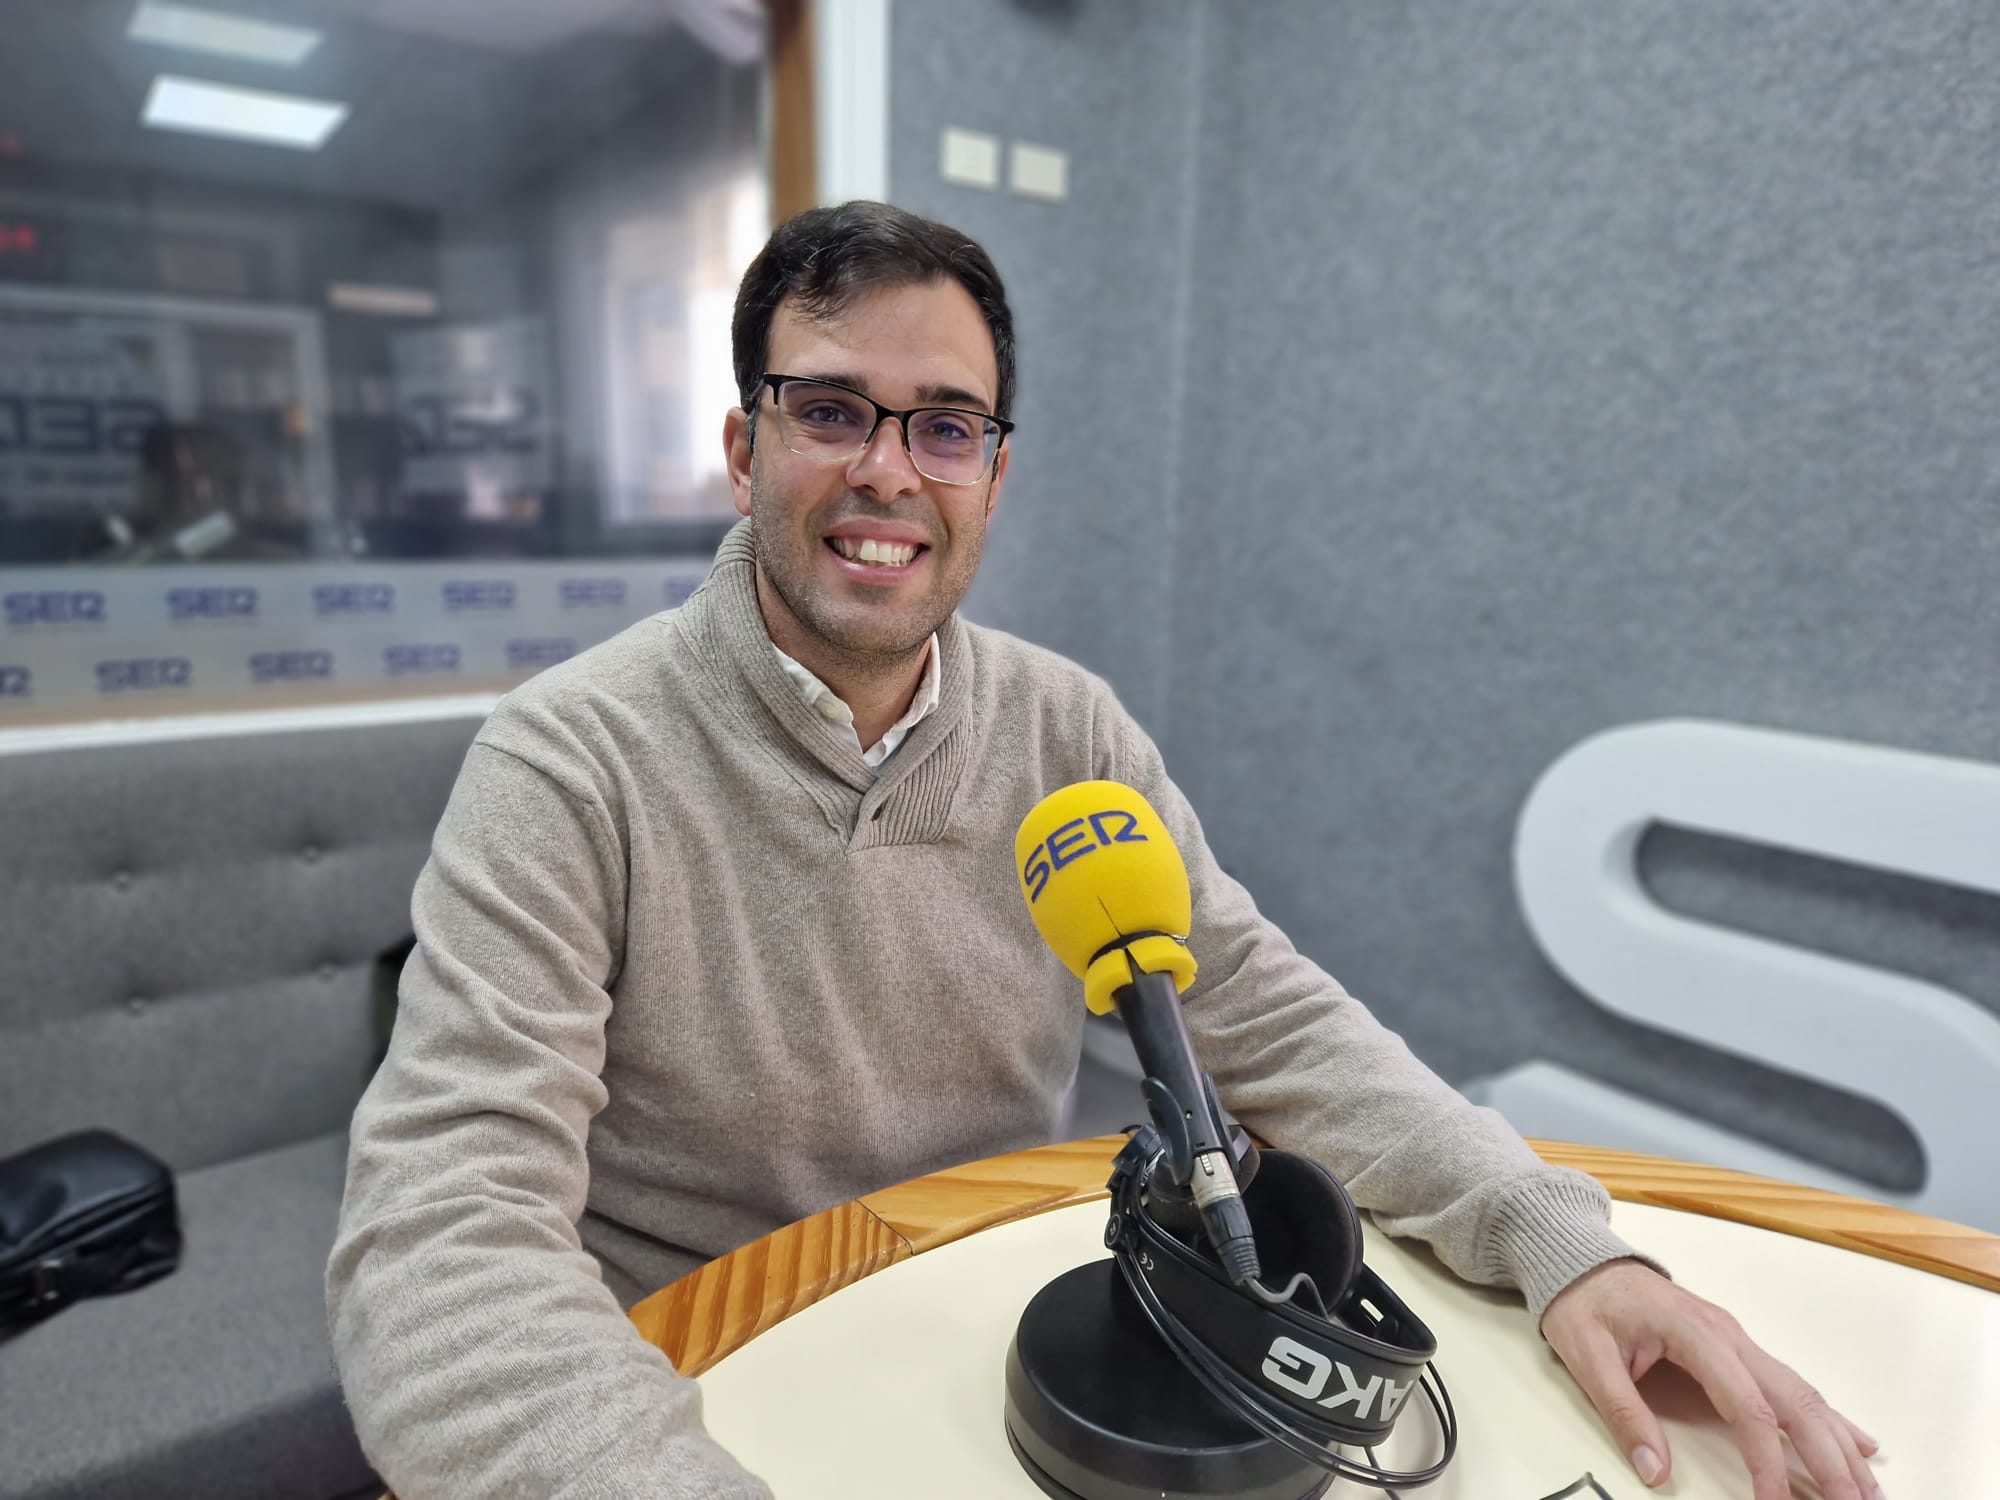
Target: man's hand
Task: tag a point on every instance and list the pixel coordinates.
(1613, 1324)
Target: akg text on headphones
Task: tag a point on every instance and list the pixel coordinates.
(1327, 1355)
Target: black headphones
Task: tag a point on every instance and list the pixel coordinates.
(1331, 1360)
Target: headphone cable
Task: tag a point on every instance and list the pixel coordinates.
(1290, 1430)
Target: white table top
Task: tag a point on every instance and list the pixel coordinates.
(894, 1386)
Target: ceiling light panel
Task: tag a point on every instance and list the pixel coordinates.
(212, 31)
(189, 104)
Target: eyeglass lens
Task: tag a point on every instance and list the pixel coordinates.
(824, 421)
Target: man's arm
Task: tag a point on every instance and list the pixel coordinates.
(1307, 1067)
(479, 1349)
(1303, 1064)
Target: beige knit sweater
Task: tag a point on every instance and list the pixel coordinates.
(688, 969)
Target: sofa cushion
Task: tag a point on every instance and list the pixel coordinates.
(215, 1382)
(188, 929)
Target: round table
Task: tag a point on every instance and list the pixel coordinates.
(894, 1387)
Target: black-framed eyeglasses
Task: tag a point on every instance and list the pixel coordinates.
(825, 420)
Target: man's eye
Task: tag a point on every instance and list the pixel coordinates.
(951, 429)
(827, 414)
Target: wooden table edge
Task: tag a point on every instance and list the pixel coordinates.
(1937, 1246)
(715, 1310)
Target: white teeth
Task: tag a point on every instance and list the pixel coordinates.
(882, 554)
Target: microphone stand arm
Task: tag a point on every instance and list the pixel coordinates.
(1200, 1155)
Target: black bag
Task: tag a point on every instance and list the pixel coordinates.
(85, 1215)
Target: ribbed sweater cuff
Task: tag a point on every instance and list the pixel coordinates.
(688, 1465)
(1548, 1231)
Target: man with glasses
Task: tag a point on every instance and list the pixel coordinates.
(721, 928)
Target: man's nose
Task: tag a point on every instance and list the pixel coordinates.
(883, 469)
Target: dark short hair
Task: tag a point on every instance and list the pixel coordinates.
(824, 257)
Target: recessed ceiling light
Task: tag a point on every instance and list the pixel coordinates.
(212, 31)
(243, 114)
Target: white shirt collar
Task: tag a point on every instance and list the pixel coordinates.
(823, 701)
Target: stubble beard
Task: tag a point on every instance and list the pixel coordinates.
(854, 636)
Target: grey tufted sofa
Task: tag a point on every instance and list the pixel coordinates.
(190, 942)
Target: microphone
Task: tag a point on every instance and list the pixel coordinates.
(1108, 891)
(1091, 1411)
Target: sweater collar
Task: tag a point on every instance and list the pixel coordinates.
(740, 657)
(830, 706)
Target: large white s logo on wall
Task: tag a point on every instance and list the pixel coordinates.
(1928, 1053)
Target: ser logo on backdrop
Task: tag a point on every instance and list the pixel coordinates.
(592, 593)
(415, 658)
(1075, 839)
(290, 666)
(234, 603)
(144, 674)
(354, 599)
(541, 653)
(52, 607)
(16, 682)
(462, 594)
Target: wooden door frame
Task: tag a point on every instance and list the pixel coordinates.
(829, 140)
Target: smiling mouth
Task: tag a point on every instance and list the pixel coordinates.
(888, 556)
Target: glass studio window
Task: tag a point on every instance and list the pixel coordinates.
(399, 328)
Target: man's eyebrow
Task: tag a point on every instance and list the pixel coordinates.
(952, 395)
(927, 395)
(835, 377)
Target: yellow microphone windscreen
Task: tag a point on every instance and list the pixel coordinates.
(1096, 864)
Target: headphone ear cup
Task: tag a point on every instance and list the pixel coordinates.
(1173, 1209)
(1244, 1156)
(1304, 1221)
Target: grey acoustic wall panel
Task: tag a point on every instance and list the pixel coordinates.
(1548, 367)
(1097, 283)
(1585, 364)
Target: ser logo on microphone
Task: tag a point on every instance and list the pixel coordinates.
(1075, 839)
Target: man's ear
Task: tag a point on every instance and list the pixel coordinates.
(736, 449)
(999, 478)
